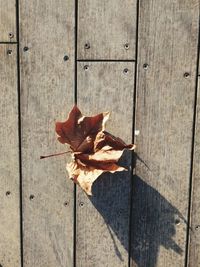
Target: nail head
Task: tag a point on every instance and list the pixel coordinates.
(81, 204)
(86, 67)
(126, 46)
(9, 52)
(126, 71)
(8, 193)
(66, 203)
(177, 221)
(145, 66)
(31, 197)
(11, 34)
(65, 58)
(186, 75)
(26, 48)
(87, 46)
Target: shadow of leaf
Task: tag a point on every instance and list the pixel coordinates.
(153, 217)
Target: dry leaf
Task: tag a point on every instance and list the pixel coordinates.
(94, 151)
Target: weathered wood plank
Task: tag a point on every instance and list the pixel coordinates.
(106, 29)
(47, 89)
(194, 248)
(164, 116)
(9, 159)
(7, 21)
(103, 219)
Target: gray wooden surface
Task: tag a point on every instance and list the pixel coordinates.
(7, 21)
(53, 39)
(9, 160)
(47, 95)
(168, 37)
(106, 29)
(194, 248)
(103, 220)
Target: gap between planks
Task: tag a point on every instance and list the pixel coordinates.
(106, 60)
(190, 200)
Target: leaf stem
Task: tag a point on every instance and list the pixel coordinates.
(56, 154)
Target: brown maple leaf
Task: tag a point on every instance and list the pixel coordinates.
(94, 151)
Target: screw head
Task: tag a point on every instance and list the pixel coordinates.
(186, 75)
(126, 46)
(31, 197)
(81, 204)
(26, 48)
(66, 203)
(197, 227)
(177, 221)
(65, 58)
(125, 71)
(9, 52)
(87, 46)
(11, 34)
(86, 67)
(145, 66)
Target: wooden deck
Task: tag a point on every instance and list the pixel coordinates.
(142, 61)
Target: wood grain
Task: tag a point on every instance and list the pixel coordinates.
(7, 21)
(47, 90)
(194, 248)
(168, 33)
(106, 26)
(9, 160)
(103, 219)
